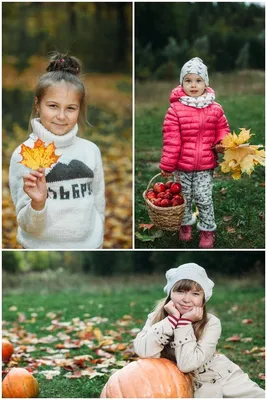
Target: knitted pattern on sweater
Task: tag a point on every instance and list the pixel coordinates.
(73, 217)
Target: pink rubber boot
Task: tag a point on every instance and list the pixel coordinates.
(185, 233)
(207, 240)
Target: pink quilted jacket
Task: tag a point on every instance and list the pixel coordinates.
(189, 134)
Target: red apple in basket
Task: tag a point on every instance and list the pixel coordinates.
(165, 203)
(157, 202)
(168, 196)
(168, 184)
(175, 188)
(150, 194)
(160, 195)
(177, 200)
(159, 187)
(152, 200)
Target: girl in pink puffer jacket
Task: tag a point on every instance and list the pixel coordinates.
(193, 129)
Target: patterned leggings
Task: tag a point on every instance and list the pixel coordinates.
(197, 187)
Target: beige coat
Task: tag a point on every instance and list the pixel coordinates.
(215, 375)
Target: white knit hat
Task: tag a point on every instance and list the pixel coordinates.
(195, 66)
(190, 271)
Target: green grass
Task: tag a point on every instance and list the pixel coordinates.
(232, 302)
(243, 200)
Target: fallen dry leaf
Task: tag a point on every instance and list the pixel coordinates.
(39, 156)
(223, 191)
(259, 350)
(227, 218)
(145, 226)
(230, 229)
(234, 338)
(247, 321)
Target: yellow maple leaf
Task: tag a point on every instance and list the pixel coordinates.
(237, 154)
(236, 173)
(233, 140)
(249, 162)
(39, 156)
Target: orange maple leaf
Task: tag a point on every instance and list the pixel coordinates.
(39, 156)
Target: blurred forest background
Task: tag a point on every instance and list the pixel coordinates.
(124, 263)
(100, 35)
(227, 36)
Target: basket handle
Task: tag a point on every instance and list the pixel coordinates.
(151, 180)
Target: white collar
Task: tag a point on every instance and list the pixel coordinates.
(46, 136)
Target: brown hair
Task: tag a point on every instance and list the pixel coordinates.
(61, 68)
(160, 313)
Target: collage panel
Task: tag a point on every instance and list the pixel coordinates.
(199, 125)
(133, 324)
(67, 125)
(105, 293)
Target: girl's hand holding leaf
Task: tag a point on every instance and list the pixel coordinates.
(34, 185)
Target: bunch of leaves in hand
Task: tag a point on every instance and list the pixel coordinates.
(240, 156)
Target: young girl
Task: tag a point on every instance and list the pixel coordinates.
(61, 207)
(181, 330)
(192, 131)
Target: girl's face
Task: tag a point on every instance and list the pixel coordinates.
(59, 108)
(184, 300)
(193, 85)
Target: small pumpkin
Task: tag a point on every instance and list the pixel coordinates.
(20, 383)
(149, 378)
(7, 350)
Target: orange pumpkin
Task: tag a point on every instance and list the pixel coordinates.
(20, 383)
(7, 350)
(149, 378)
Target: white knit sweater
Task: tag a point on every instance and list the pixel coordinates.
(73, 217)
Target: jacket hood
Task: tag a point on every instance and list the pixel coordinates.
(179, 92)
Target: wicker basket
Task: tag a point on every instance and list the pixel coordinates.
(167, 219)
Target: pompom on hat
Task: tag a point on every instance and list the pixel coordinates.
(190, 271)
(195, 66)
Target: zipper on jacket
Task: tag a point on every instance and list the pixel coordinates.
(199, 141)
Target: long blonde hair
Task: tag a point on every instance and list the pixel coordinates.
(160, 313)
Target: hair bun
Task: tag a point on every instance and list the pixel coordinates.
(64, 63)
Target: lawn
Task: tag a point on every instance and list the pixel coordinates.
(73, 340)
(239, 205)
